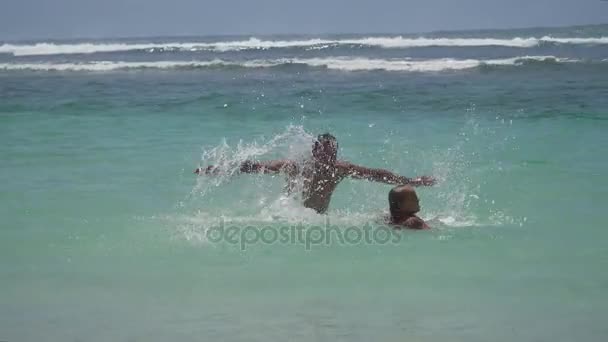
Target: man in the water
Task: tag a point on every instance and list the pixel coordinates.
(322, 173)
(404, 204)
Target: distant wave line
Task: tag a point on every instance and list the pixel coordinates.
(317, 43)
(333, 63)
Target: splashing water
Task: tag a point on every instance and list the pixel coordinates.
(293, 144)
(262, 199)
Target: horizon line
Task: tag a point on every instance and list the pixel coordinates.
(251, 35)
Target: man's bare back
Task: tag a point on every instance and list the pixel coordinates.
(322, 174)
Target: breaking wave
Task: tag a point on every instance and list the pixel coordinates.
(333, 63)
(45, 48)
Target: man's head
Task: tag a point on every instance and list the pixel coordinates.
(325, 148)
(403, 200)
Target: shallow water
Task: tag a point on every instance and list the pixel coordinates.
(105, 230)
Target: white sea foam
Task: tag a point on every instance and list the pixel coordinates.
(45, 48)
(430, 65)
(85, 48)
(57, 49)
(334, 63)
(109, 66)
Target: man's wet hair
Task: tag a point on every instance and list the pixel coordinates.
(327, 137)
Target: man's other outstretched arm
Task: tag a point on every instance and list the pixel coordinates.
(270, 166)
(381, 175)
(249, 166)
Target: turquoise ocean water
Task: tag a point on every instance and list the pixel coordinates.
(104, 231)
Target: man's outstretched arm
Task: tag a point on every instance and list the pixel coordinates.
(248, 166)
(381, 175)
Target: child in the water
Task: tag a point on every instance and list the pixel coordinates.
(404, 204)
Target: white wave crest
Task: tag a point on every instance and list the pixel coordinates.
(430, 65)
(335, 63)
(86, 48)
(260, 44)
(110, 66)
(59, 49)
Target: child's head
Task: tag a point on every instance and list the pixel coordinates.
(403, 200)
